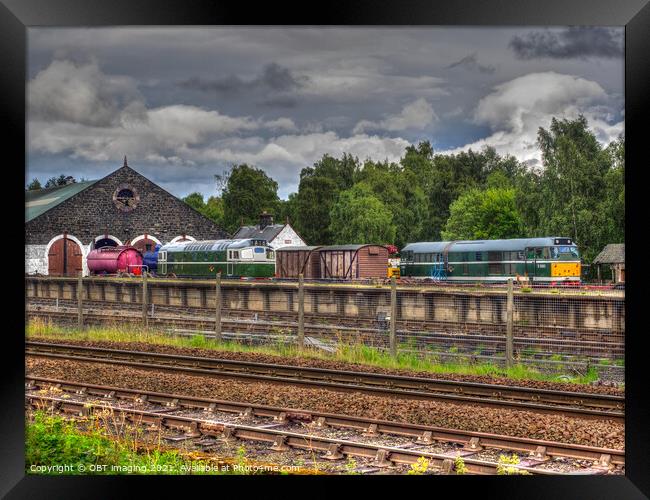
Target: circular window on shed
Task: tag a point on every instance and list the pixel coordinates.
(126, 197)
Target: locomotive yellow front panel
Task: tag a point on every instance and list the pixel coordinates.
(565, 269)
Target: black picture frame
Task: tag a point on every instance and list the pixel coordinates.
(17, 15)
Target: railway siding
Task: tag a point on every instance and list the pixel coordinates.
(574, 404)
(366, 432)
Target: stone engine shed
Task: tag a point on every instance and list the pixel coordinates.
(63, 224)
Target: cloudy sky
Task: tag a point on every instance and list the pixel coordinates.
(187, 103)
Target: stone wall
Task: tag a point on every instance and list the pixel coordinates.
(558, 315)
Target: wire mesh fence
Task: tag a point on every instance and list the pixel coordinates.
(553, 328)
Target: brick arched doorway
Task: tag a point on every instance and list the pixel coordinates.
(64, 258)
(145, 243)
(183, 237)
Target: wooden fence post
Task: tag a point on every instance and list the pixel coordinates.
(509, 319)
(217, 311)
(145, 299)
(301, 311)
(393, 317)
(80, 294)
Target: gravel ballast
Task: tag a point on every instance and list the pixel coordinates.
(602, 433)
(336, 365)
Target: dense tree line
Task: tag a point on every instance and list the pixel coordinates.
(578, 191)
(61, 180)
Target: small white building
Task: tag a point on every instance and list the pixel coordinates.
(277, 235)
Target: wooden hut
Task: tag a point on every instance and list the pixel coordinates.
(353, 261)
(290, 261)
(614, 256)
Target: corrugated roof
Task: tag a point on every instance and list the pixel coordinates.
(39, 201)
(614, 253)
(268, 233)
(297, 248)
(347, 247)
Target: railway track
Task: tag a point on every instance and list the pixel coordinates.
(369, 330)
(486, 328)
(572, 404)
(370, 440)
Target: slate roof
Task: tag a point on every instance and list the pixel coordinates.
(39, 201)
(269, 233)
(614, 253)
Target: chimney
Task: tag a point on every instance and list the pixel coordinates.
(265, 219)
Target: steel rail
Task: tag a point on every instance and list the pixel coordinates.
(490, 346)
(333, 449)
(550, 401)
(539, 450)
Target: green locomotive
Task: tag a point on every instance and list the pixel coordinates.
(538, 260)
(204, 259)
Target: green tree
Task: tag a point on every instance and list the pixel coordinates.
(61, 180)
(214, 210)
(288, 209)
(443, 178)
(360, 217)
(400, 192)
(34, 185)
(318, 190)
(484, 214)
(195, 200)
(574, 185)
(248, 191)
(613, 204)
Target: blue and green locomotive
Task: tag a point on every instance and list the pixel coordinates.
(204, 259)
(538, 260)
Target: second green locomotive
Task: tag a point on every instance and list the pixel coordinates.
(232, 258)
(539, 260)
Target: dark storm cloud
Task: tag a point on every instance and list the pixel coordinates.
(471, 63)
(574, 42)
(281, 101)
(185, 103)
(274, 77)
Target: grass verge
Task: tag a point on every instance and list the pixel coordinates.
(357, 353)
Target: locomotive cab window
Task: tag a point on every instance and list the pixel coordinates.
(565, 253)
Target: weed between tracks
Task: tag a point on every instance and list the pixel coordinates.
(346, 351)
(103, 444)
(54, 445)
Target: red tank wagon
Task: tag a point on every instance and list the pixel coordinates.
(114, 260)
